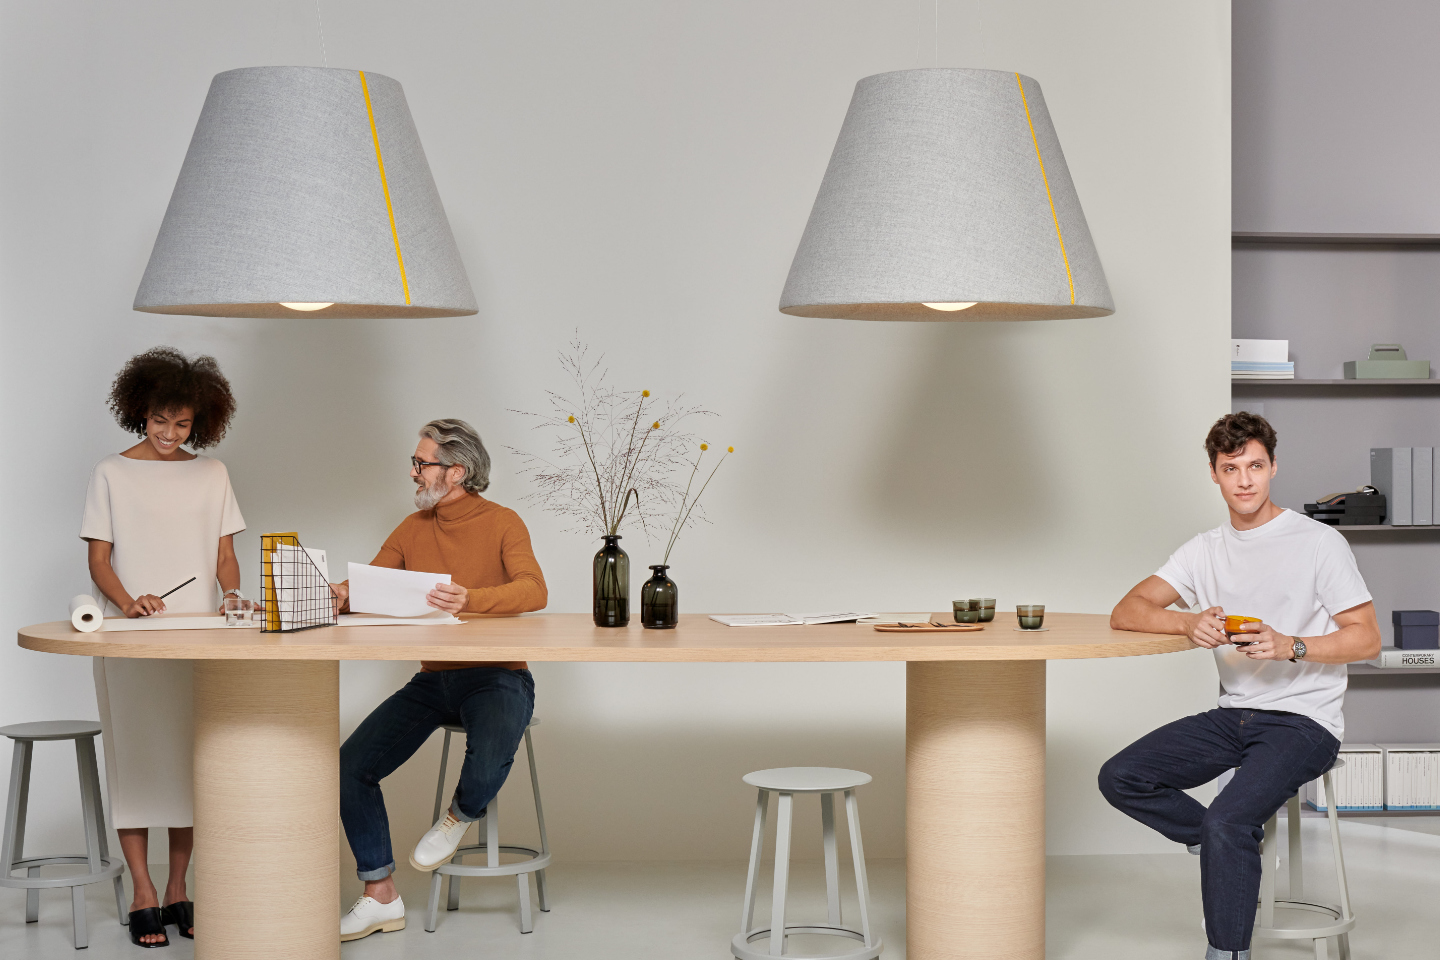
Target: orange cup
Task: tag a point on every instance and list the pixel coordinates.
(1234, 625)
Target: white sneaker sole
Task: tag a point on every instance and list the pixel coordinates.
(385, 926)
(434, 866)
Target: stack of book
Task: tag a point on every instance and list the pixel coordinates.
(1406, 476)
(1261, 360)
(1359, 784)
(1412, 776)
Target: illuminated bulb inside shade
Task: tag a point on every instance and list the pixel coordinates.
(307, 307)
(947, 307)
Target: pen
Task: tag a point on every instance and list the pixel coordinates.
(185, 584)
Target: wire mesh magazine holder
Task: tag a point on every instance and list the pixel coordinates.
(296, 593)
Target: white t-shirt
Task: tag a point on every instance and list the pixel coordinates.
(1295, 574)
(165, 519)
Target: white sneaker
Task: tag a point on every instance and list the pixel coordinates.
(439, 843)
(371, 916)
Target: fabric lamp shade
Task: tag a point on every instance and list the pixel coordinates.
(305, 186)
(947, 187)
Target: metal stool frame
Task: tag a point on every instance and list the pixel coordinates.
(97, 853)
(1334, 922)
(535, 860)
(871, 945)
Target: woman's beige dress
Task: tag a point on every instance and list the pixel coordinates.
(165, 520)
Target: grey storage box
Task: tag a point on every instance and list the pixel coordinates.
(1387, 362)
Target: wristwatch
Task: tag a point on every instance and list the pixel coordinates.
(1298, 650)
(235, 592)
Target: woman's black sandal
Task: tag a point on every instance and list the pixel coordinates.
(145, 923)
(182, 914)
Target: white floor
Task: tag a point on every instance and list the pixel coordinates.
(1124, 907)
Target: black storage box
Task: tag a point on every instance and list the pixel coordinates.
(1349, 510)
(1416, 629)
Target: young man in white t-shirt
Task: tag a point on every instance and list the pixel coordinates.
(1279, 719)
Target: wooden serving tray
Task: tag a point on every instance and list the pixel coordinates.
(931, 627)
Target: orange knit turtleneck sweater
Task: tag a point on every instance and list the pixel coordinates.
(484, 547)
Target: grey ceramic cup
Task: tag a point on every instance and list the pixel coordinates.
(1031, 615)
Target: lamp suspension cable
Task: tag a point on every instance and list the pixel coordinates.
(324, 54)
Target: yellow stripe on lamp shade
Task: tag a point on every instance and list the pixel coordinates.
(285, 206)
(947, 198)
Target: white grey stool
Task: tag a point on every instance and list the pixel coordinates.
(97, 854)
(1316, 921)
(788, 781)
(535, 860)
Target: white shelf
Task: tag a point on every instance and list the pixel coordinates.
(1352, 384)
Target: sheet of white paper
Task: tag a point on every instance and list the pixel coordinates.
(161, 621)
(365, 620)
(393, 593)
(830, 617)
(757, 620)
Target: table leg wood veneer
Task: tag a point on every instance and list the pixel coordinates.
(267, 714)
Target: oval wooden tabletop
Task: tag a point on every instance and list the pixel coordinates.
(573, 637)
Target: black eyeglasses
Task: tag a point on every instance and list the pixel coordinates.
(419, 465)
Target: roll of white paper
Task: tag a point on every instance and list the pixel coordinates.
(85, 614)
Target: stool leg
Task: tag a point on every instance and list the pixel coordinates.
(757, 843)
(784, 814)
(832, 865)
(88, 802)
(92, 770)
(1322, 952)
(1344, 941)
(440, 785)
(540, 822)
(1267, 868)
(12, 847)
(492, 833)
(1344, 884)
(432, 909)
(32, 899)
(77, 910)
(1294, 850)
(862, 878)
(525, 925)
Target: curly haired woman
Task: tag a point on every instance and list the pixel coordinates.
(155, 516)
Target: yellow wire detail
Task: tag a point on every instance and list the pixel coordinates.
(380, 160)
(1033, 139)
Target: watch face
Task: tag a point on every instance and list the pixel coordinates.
(1299, 649)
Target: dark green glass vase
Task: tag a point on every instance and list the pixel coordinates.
(659, 601)
(610, 588)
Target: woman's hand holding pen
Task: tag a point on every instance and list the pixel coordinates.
(144, 605)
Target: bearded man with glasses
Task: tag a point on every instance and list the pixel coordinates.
(486, 550)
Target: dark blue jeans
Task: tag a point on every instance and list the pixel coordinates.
(492, 704)
(1277, 753)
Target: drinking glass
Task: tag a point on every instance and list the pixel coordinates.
(986, 606)
(1233, 627)
(965, 611)
(1032, 615)
(238, 611)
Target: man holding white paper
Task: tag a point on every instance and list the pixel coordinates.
(477, 557)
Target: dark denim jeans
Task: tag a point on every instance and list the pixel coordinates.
(1277, 753)
(494, 706)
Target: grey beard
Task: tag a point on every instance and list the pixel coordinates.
(428, 496)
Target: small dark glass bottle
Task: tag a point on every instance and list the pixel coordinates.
(610, 587)
(659, 600)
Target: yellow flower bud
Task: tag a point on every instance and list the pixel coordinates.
(655, 425)
(729, 449)
(644, 393)
(572, 418)
(704, 446)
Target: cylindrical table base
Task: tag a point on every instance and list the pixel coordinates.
(975, 810)
(267, 809)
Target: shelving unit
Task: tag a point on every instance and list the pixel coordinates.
(1332, 295)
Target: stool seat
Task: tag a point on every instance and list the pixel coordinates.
(457, 728)
(807, 779)
(52, 730)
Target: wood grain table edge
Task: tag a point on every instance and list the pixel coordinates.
(568, 638)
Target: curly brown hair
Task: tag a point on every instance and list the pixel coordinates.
(1232, 431)
(162, 380)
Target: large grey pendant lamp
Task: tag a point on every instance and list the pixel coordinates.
(947, 198)
(305, 192)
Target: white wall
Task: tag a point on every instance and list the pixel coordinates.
(641, 172)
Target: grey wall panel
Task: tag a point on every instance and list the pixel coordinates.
(1335, 116)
